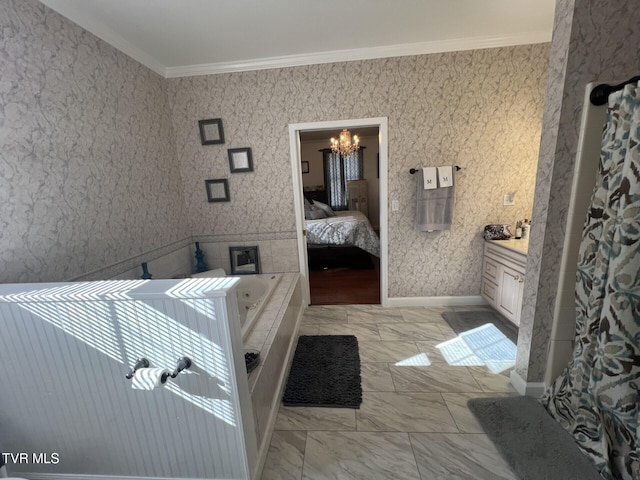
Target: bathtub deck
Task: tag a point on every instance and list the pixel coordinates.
(266, 326)
(273, 335)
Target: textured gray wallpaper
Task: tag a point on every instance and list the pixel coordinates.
(88, 175)
(480, 109)
(92, 172)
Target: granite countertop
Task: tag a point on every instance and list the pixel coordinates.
(520, 246)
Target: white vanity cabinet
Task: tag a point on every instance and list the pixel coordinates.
(503, 269)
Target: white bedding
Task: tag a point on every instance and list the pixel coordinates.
(349, 227)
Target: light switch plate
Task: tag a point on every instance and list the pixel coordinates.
(395, 205)
(509, 200)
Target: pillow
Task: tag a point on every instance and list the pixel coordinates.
(307, 205)
(314, 214)
(324, 207)
(307, 208)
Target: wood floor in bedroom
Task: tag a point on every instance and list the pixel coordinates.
(346, 286)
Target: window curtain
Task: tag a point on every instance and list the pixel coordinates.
(596, 398)
(338, 169)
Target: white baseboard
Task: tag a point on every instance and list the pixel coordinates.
(530, 389)
(435, 301)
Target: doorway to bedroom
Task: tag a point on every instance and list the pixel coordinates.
(340, 208)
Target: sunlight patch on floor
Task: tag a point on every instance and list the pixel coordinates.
(457, 352)
(485, 345)
(420, 360)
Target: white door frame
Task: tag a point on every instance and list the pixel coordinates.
(298, 198)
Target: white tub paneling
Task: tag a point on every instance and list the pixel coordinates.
(65, 349)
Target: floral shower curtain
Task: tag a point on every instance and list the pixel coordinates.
(596, 398)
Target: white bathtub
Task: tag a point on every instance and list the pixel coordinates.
(253, 293)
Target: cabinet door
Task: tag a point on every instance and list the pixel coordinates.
(510, 293)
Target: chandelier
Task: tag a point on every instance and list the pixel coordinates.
(345, 145)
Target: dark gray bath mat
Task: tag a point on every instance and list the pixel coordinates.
(534, 445)
(467, 320)
(325, 372)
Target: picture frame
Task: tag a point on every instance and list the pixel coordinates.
(211, 131)
(240, 160)
(305, 167)
(217, 190)
(244, 260)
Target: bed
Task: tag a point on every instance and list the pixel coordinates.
(347, 228)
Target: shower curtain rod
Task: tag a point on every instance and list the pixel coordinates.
(600, 93)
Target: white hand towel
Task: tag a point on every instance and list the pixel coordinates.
(430, 178)
(445, 176)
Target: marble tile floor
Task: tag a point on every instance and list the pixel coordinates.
(413, 422)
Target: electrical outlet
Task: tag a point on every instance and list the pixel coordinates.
(395, 205)
(509, 199)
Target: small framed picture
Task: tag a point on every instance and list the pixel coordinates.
(244, 260)
(211, 131)
(305, 167)
(217, 190)
(240, 160)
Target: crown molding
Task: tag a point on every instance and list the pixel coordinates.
(471, 43)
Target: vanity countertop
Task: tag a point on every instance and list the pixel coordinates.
(520, 246)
